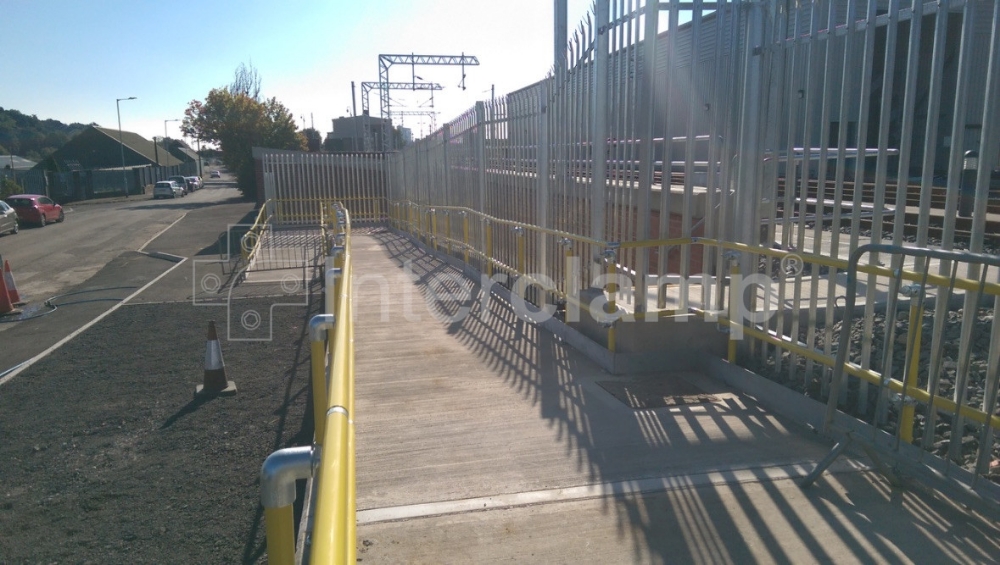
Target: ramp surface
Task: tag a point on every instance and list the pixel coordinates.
(482, 438)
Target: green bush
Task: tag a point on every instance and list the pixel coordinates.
(8, 187)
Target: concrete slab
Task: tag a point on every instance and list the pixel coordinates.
(849, 518)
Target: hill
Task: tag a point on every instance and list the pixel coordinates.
(31, 137)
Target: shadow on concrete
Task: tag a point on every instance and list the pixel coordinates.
(740, 517)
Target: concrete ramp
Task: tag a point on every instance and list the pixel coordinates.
(483, 438)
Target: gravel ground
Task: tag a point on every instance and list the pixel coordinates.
(811, 384)
(107, 458)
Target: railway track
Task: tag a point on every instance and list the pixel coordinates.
(936, 218)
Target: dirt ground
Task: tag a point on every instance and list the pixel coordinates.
(107, 458)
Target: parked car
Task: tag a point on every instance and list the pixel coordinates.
(8, 219)
(194, 183)
(216, 175)
(167, 189)
(182, 182)
(36, 209)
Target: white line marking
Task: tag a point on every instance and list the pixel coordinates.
(654, 484)
(150, 240)
(79, 331)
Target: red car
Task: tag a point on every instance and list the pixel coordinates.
(36, 209)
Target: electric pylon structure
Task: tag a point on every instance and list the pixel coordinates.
(423, 113)
(366, 88)
(386, 61)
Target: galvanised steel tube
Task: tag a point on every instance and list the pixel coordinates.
(277, 495)
(319, 326)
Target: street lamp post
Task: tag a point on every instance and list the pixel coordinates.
(165, 148)
(121, 143)
(165, 126)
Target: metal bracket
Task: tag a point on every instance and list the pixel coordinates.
(911, 290)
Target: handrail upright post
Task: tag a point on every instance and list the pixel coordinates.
(735, 296)
(465, 235)
(320, 327)
(278, 474)
(912, 372)
(521, 251)
(434, 228)
(488, 251)
(447, 231)
(611, 306)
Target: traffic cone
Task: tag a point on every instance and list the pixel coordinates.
(6, 306)
(215, 381)
(8, 279)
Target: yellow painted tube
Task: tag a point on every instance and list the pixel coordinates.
(465, 236)
(489, 250)
(280, 531)
(734, 313)
(318, 358)
(447, 232)
(434, 229)
(612, 305)
(521, 255)
(330, 529)
(912, 371)
(568, 276)
(352, 499)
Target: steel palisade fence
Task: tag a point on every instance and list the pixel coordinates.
(751, 139)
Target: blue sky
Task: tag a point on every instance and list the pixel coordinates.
(69, 60)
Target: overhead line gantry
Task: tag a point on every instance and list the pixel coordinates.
(386, 61)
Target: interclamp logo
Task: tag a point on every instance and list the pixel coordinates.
(451, 297)
(279, 275)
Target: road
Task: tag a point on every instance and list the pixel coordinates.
(90, 262)
(49, 260)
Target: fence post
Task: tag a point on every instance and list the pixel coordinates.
(599, 153)
(967, 194)
(465, 234)
(481, 155)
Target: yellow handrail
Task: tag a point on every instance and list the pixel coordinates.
(334, 509)
(256, 229)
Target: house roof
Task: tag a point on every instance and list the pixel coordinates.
(182, 151)
(20, 163)
(142, 146)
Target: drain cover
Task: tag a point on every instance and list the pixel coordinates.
(659, 392)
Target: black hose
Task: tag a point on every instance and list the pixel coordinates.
(53, 307)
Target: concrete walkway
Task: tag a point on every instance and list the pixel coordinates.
(482, 438)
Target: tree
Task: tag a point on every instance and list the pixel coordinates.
(314, 141)
(9, 187)
(237, 120)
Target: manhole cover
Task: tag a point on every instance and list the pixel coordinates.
(656, 393)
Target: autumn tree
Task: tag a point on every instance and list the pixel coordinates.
(237, 119)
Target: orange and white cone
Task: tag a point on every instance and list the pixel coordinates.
(6, 306)
(8, 279)
(215, 381)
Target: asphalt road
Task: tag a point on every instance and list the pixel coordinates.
(49, 260)
(93, 260)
